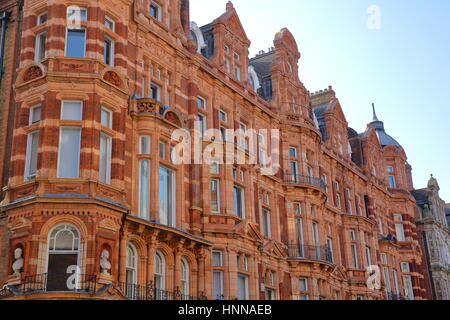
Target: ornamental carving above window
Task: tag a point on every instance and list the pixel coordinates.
(32, 73)
(173, 118)
(112, 78)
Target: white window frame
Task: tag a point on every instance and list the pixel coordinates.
(171, 216)
(28, 157)
(158, 91)
(201, 105)
(220, 253)
(355, 256)
(31, 119)
(78, 149)
(242, 201)
(305, 281)
(220, 292)
(112, 22)
(217, 181)
(39, 18)
(144, 212)
(246, 286)
(37, 46)
(108, 157)
(73, 28)
(399, 227)
(267, 226)
(223, 116)
(112, 51)
(158, 10)
(148, 144)
(80, 118)
(110, 117)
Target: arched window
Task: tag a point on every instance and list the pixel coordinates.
(160, 278)
(131, 271)
(63, 268)
(184, 278)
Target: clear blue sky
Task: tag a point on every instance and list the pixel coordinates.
(404, 67)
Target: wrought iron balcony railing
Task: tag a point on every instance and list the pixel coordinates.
(42, 283)
(150, 292)
(393, 296)
(301, 251)
(305, 180)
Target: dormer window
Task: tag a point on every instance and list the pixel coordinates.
(155, 10)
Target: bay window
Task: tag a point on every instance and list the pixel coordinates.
(69, 152)
(76, 43)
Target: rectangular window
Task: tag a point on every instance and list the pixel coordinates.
(352, 235)
(405, 267)
(239, 202)
(368, 257)
(407, 283)
(227, 64)
(215, 196)
(144, 189)
(35, 115)
(237, 57)
(303, 284)
(69, 153)
(266, 225)
(299, 233)
(162, 150)
(237, 73)
(76, 43)
(108, 51)
(214, 168)
(399, 228)
(223, 134)
(217, 258)
(105, 158)
(390, 169)
(218, 285)
(294, 171)
(144, 145)
(387, 279)
(242, 285)
(42, 18)
(223, 116)
(384, 259)
(31, 155)
(396, 287)
(155, 10)
(297, 208)
(392, 183)
(167, 197)
(329, 252)
(155, 91)
(39, 52)
(109, 23)
(201, 103)
(355, 256)
(72, 110)
(75, 13)
(293, 152)
(202, 127)
(338, 200)
(106, 118)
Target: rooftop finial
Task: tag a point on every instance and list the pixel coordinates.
(375, 118)
(229, 6)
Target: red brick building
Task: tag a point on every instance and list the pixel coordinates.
(96, 207)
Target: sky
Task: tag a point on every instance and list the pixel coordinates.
(394, 53)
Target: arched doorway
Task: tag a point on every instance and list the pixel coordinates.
(63, 267)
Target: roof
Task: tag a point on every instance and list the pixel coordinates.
(320, 110)
(421, 196)
(263, 63)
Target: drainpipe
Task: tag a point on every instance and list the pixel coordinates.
(4, 18)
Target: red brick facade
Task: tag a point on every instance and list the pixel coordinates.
(293, 235)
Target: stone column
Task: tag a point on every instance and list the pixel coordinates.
(123, 259)
(201, 272)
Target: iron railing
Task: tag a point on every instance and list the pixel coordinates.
(393, 296)
(150, 292)
(301, 251)
(40, 283)
(305, 180)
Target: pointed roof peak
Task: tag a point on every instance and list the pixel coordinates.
(375, 118)
(229, 6)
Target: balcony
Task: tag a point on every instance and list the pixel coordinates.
(304, 180)
(150, 292)
(307, 252)
(41, 283)
(393, 296)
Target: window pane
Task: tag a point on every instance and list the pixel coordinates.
(105, 158)
(144, 189)
(71, 111)
(76, 43)
(217, 258)
(31, 162)
(69, 153)
(218, 285)
(166, 197)
(215, 196)
(106, 118)
(35, 115)
(40, 46)
(145, 145)
(108, 52)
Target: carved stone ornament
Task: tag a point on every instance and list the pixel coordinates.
(112, 78)
(18, 263)
(173, 118)
(32, 73)
(105, 265)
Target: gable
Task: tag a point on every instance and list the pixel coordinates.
(231, 21)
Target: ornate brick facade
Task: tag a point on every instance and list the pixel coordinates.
(125, 218)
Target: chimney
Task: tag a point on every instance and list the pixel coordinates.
(185, 17)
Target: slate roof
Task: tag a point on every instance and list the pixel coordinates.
(263, 63)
